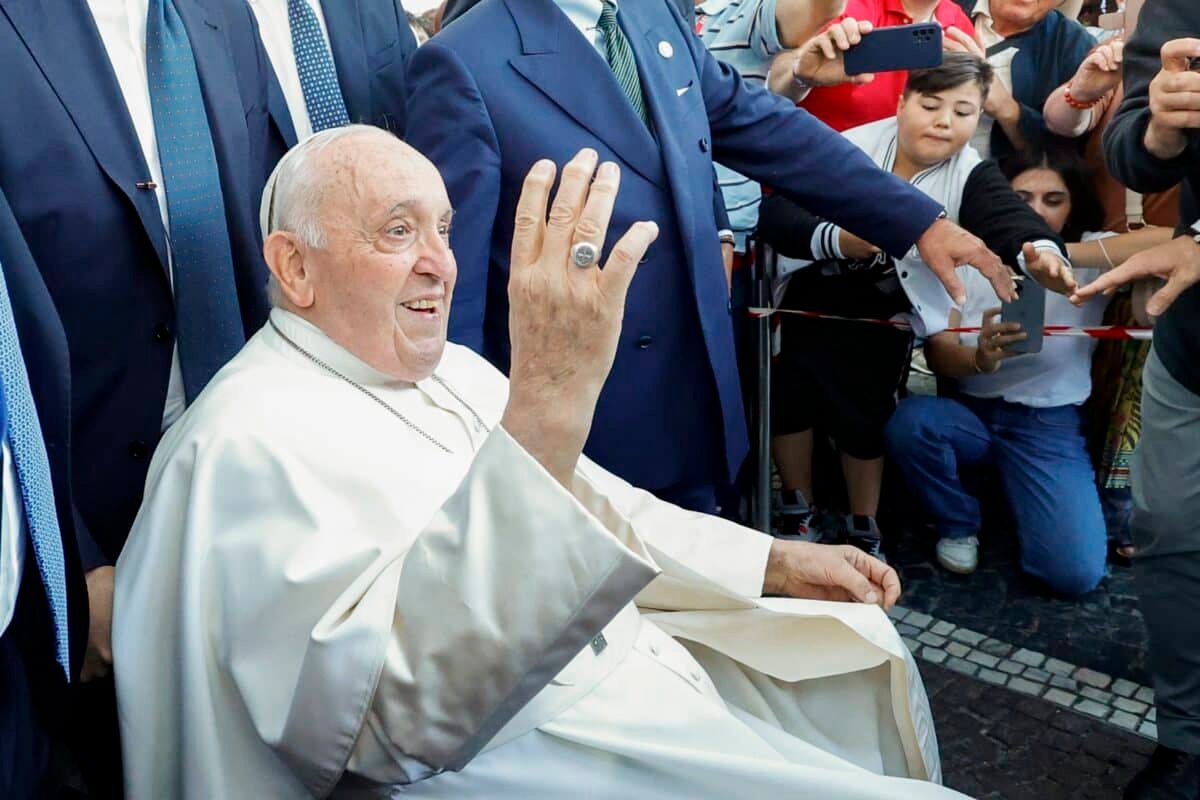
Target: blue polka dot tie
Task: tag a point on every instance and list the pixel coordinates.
(314, 62)
(24, 434)
(206, 304)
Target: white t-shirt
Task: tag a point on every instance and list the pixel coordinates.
(1061, 374)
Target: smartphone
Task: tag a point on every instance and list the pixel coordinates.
(1029, 309)
(902, 47)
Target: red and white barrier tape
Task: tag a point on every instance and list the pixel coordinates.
(1118, 332)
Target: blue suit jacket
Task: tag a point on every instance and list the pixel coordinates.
(371, 45)
(514, 81)
(32, 690)
(70, 165)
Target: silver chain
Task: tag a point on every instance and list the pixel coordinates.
(417, 428)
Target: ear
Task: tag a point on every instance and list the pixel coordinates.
(285, 257)
(900, 103)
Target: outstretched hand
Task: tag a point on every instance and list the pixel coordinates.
(945, 247)
(1049, 269)
(1178, 261)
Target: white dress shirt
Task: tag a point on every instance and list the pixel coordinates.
(12, 538)
(276, 34)
(585, 15)
(122, 25)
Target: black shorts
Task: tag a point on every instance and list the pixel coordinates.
(839, 376)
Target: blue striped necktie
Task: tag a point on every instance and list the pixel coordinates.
(206, 302)
(33, 473)
(314, 62)
(621, 59)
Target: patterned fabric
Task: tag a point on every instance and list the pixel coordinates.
(1125, 419)
(620, 58)
(314, 62)
(33, 472)
(206, 306)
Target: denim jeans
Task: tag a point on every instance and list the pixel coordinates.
(1044, 470)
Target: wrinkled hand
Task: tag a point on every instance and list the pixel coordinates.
(945, 247)
(1049, 270)
(993, 338)
(1174, 100)
(564, 320)
(1099, 73)
(854, 247)
(956, 40)
(1178, 261)
(829, 572)
(97, 661)
(819, 61)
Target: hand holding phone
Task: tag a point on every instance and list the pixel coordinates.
(821, 60)
(994, 340)
(916, 46)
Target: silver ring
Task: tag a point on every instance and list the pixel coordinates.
(584, 254)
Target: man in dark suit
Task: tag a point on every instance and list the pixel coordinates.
(35, 668)
(332, 63)
(1152, 142)
(130, 149)
(519, 80)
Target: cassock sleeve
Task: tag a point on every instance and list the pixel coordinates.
(403, 656)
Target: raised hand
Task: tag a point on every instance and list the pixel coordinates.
(1049, 269)
(565, 320)
(1174, 100)
(1099, 73)
(819, 62)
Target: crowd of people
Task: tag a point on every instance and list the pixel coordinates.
(276, 523)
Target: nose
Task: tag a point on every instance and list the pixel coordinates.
(436, 258)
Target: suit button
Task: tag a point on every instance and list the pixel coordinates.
(644, 342)
(162, 333)
(703, 145)
(139, 450)
(904, 274)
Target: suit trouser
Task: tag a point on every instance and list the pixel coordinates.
(24, 745)
(1166, 531)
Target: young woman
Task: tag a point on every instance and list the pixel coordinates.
(842, 377)
(1057, 187)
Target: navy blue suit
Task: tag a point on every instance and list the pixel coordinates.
(514, 81)
(70, 165)
(32, 690)
(372, 46)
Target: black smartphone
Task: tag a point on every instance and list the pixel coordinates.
(1029, 309)
(916, 46)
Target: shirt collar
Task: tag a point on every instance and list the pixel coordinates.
(316, 342)
(580, 10)
(982, 9)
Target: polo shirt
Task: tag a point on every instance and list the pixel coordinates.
(847, 106)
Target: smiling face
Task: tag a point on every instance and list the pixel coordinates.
(1047, 194)
(381, 282)
(933, 127)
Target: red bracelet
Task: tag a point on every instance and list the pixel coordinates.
(1073, 103)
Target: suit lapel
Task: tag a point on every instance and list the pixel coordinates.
(343, 20)
(565, 67)
(82, 76)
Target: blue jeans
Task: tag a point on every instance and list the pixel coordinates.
(1044, 470)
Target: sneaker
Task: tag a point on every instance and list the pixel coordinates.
(863, 533)
(960, 556)
(795, 518)
(1170, 775)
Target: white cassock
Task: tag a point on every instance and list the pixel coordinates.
(317, 600)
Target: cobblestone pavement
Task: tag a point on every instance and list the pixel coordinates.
(1000, 745)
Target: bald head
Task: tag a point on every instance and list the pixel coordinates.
(357, 239)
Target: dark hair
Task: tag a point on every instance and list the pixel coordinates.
(1057, 156)
(955, 70)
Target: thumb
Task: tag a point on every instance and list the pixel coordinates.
(1031, 253)
(1161, 300)
(848, 576)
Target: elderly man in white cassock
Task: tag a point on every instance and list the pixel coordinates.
(368, 565)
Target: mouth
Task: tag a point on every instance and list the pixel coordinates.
(425, 307)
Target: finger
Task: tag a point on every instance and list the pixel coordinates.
(1161, 300)
(1003, 340)
(992, 268)
(860, 79)
(531, 214)
(568, 203)
(839, 37)
(853, 35)
(623, 261)
(990, 315)
(593, 222)
(1177, 52)
(850, 572)
(1135, 268)
(825, 44)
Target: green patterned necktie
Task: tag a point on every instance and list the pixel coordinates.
(620, 58)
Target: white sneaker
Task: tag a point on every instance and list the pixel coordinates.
(959, 555)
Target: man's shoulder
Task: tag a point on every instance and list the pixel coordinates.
(484, 21)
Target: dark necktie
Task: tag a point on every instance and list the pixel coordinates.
(206, 303)
(33, 474)
(620, 58)
(314, 62)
